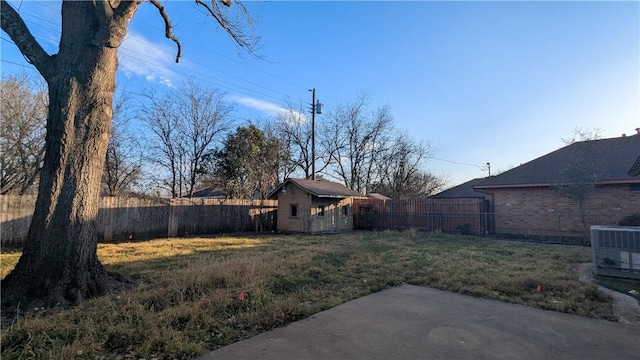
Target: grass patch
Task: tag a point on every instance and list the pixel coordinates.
(625, 286)
(8, 261)
(203, 293)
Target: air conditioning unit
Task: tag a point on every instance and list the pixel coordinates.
(616, 251)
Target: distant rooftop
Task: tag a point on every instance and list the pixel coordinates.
(464, 190)
(210, 192)
(377, 196)
(319, 188)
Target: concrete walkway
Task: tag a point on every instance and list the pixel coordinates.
(625, 307)
(412, 322)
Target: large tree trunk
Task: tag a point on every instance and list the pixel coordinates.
(59, 264)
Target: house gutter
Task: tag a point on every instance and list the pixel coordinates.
(525, 185)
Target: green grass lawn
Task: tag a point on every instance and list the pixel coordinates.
(190, 300)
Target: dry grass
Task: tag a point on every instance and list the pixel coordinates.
(191, 301)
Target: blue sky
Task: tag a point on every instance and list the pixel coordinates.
(498, 82)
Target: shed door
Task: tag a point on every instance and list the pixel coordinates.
(335, 217)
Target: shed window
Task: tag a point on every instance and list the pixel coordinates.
(320, 210)
(293, 210)
(345, 210)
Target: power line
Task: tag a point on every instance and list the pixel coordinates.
(217, 82)
(483, 168)
(203, 77)
(15, 63)
(26, 66)
(57, 31)
(230, 58)
(226, 73)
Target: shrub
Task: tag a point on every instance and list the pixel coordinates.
(464, 229)
(631, 220)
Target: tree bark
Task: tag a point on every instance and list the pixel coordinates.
(59, 264)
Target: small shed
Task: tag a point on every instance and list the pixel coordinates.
(376, 196)
(314, 206)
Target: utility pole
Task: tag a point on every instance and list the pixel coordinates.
(316, 108)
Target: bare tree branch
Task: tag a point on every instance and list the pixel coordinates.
(23, 116)
(14, 26)
(234, 29)
(167, 26)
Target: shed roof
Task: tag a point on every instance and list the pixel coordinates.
(377, 196)
(319, 188)
(609, 159)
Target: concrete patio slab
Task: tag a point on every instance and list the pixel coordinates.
(412, 322)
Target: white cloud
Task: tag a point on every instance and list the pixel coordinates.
(139, 57)
(270, 108)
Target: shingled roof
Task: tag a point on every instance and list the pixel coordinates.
(635, 169)
(209, 192)
(610, 160)
(319, 188)
(464, 190)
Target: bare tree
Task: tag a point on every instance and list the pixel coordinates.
(23, 116)
(359, 137)
(580, 174)
(205, 116)
(186, 124)
(59, 263)
(283, 165)
(164, 148)
(295, 130)
(123, 162)
(581, 134)
(296, 133)
(400, 170)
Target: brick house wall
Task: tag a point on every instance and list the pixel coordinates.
(541, 211)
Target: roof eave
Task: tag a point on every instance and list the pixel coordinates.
(525, 185)
(274, 193)
(338, 196)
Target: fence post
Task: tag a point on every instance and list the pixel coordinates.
(486, 223)
(479, 218)
(172, 224)
(559, 229)
(391, 215)
(108, 214)
(410, 216)
(431, 206)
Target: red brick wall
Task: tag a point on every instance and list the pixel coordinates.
(542, 211)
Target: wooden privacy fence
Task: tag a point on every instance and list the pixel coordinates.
(466, 216)
(121, 219)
